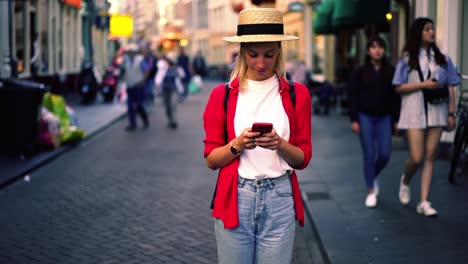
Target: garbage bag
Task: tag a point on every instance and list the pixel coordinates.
(193, 87)
(68, 133)
(72, 115)
(49, 133)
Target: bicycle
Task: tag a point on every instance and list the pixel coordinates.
(461, 135)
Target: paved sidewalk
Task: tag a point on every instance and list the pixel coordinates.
(92, 119)
(335, 191)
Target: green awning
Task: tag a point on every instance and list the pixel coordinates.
(332, 15)
(356, 13)
(323, 18)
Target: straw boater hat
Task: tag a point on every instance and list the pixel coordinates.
(260, 25)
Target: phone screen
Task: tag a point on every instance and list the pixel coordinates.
(262, 127)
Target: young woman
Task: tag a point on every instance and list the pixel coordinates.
(374, 109)
(257, 196)
(423, 68)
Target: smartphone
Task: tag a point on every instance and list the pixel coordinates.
(262, 127)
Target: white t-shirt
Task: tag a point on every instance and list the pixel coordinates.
(261, 102)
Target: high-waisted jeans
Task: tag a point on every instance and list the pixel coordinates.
(376, 143)
(266, 224)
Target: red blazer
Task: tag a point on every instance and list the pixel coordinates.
(215, 119)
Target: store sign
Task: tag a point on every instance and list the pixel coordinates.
(296, 7)
(121, 26)
(75, 3)
(102, 21)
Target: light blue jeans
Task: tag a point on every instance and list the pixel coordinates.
(266, 224)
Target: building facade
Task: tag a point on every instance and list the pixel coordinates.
(223, 22)
(42, 39)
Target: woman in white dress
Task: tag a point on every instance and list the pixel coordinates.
(423, 69)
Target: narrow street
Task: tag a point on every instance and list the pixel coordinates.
(140, 197)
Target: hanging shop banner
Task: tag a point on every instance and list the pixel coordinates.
(121, 26)
(75, 3)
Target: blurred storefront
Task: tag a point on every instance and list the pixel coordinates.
(349, 23)
(172, 37)
(342, 28)
(50, 40)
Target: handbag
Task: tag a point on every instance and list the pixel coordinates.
(433, 96)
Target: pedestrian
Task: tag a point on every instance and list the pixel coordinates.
(168, 81)
(184, 62)
(199, 65)
(35, 51)
(423, 70)
(257, 198)
(135, 73)
(325, 93)
(299, 72)
(373, 110)
(151, 61)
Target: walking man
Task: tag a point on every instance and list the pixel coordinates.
(135, 72)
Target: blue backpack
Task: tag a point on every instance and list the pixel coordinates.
(169, 81)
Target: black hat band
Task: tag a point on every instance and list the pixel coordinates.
(260, 29)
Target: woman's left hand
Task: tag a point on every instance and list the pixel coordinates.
(451, 123)
(269, 140)
(395, 129)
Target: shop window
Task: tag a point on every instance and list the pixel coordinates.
(43, 62)
(60, 37)
(34, 45)
(20, 36)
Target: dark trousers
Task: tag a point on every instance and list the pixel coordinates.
(169, 105)
(185, 83)
(376, 143)
(135, 105)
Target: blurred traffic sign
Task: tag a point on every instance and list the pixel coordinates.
(296, 7)
(121, 26)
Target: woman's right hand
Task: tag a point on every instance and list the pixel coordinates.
(246, 140)
(430, 84)
(355, 127)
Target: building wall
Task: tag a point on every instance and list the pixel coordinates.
(464, 42)
(5, 69)
(294, 25)
(57, 28)
(200, 34)
(223, 23)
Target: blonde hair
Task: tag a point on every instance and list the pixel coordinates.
(240, 66)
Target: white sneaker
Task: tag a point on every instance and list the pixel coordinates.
(376, 187)
(426, 209)
(371, 200)
(405, 193)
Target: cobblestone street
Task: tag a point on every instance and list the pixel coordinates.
(120, 197)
